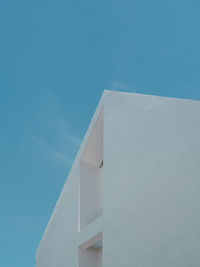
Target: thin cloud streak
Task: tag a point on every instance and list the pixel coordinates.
(76, 141)
(62, 144)
(118, 85)
(62, 157)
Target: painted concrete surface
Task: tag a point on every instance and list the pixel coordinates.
(59, 243)
(148, 211)
(151, 182)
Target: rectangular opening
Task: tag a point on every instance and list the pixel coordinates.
(90, 253)
(91, 165)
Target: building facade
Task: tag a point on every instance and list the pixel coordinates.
(132, 197)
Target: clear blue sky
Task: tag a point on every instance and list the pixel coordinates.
(56, 57)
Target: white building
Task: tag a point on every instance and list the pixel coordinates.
(132, 198)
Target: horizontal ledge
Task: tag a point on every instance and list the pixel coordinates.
(91, 241)
(91, 230)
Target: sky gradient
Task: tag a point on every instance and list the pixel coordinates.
(56, 57)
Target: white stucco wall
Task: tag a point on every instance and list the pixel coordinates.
(150, 184)
(59, 243)
(151, 181)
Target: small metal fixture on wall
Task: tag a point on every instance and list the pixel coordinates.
(101, 165)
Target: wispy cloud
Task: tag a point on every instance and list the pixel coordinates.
(55, 140)
(51, 151)
(60, 156)
(119, 85)
(72, 138)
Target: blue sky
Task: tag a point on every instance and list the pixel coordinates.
(56, 57)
